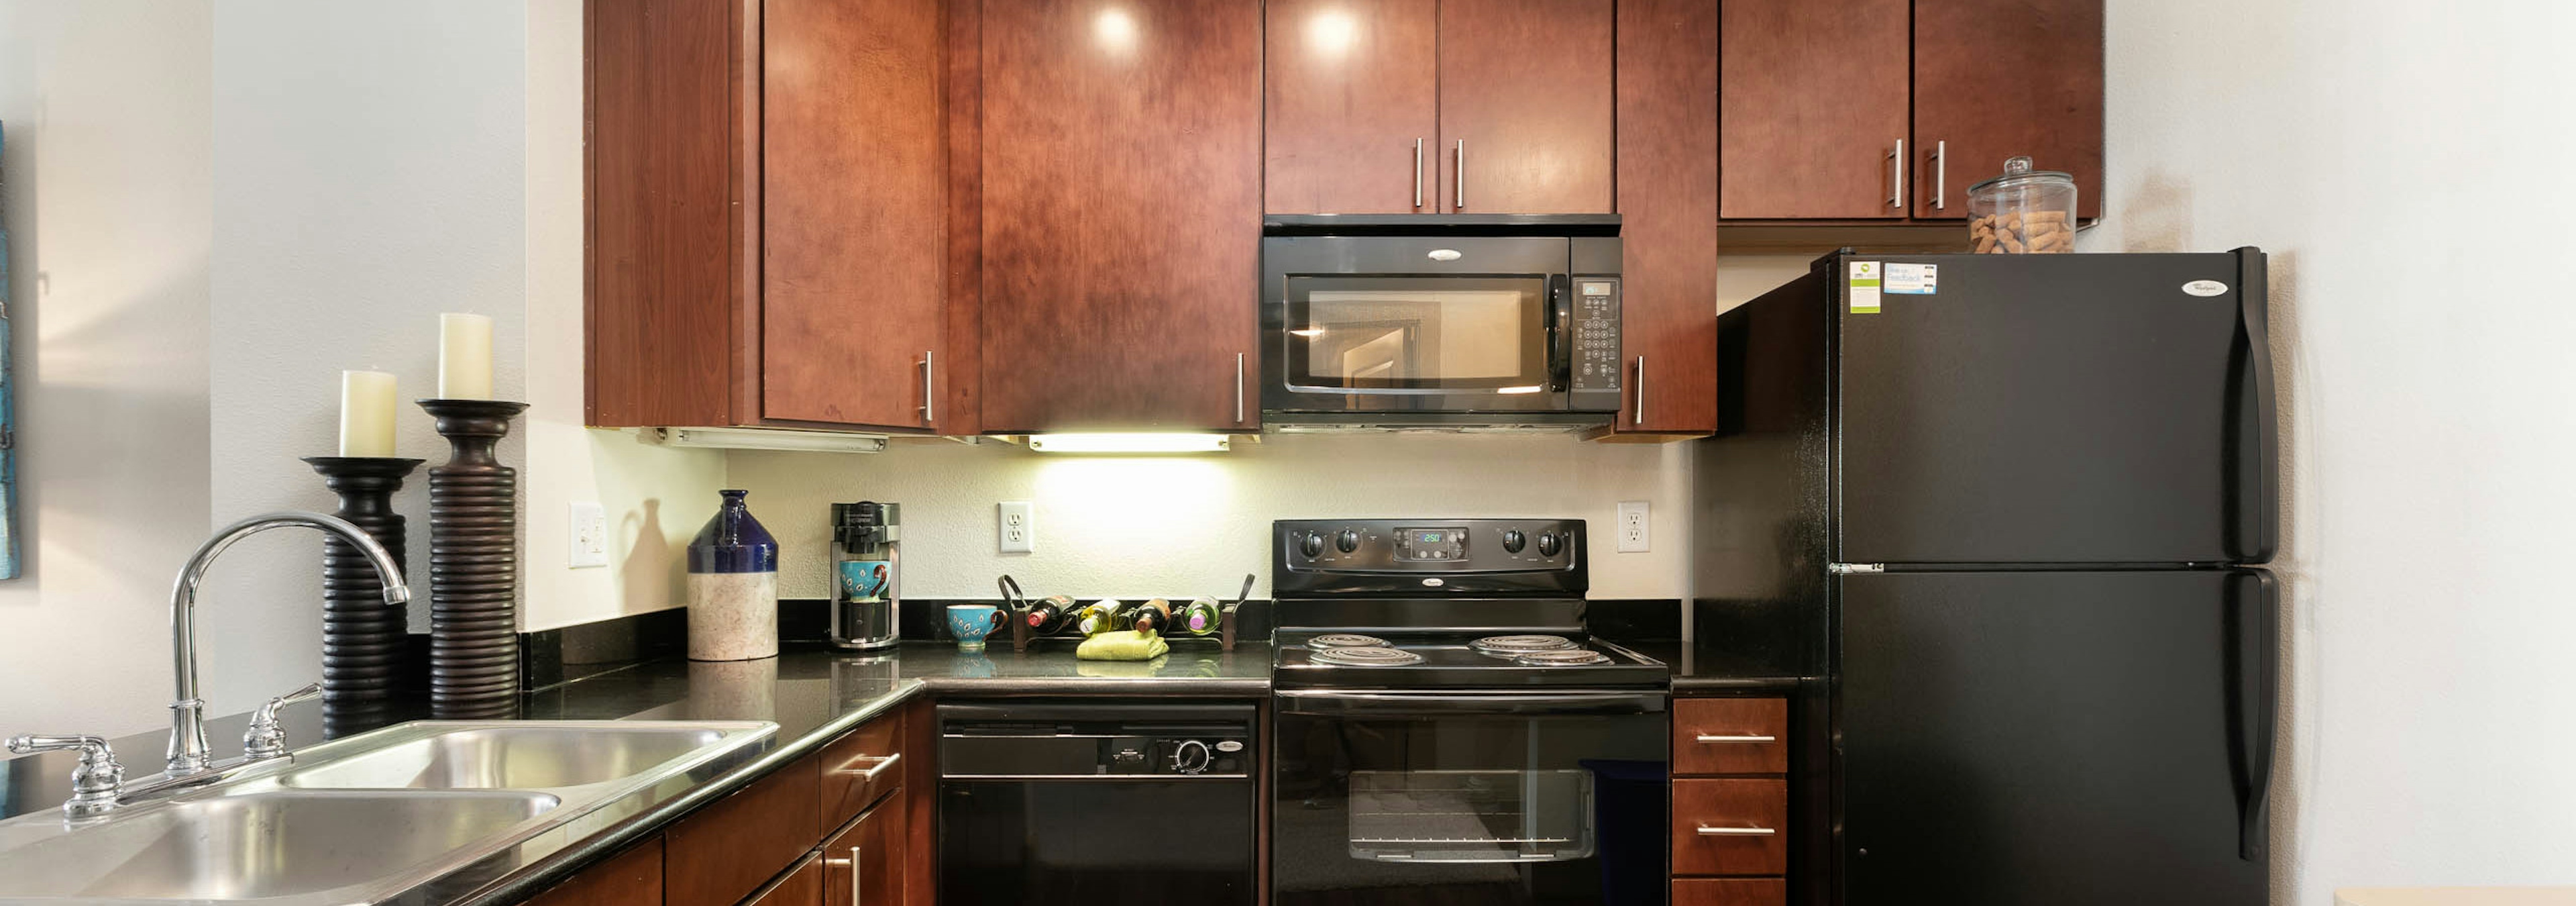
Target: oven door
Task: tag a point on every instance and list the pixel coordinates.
(1400, 324)
(1502, 798)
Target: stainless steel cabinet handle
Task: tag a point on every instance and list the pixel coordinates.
(1417, 172)
(1749, 740)
(882, 763)
(1459, 191)
(1641, 392)
(853, 863)
(927, 383)
(1238, 388)
(1896, 175)
(1707, 831)
(1940, 174)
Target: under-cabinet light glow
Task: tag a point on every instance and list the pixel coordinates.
(1129, 443)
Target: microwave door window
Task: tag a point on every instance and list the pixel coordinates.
(1395, 334)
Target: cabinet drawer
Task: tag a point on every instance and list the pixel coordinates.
(1731, 736)
(1730, 827)
(860, 767)
(863, 865)
(1731, 892)
(633, 876)
(728, 849)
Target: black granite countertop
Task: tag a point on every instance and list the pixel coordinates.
(1704, 672)
(813, 693)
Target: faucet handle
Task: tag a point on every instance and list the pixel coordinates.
(266, 738)
(95, 783)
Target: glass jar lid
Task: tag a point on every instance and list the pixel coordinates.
(2017, 173)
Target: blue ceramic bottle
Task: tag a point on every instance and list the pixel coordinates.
(733, 586)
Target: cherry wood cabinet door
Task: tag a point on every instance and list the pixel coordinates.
(1811, 105)
(1668, 214)
(864, 864)
(1995, 79)
(626, 879)
(1121, 214)
(800, 886)
(1731, 892)
(855, 210)
(1351, 105)
(1526, 106)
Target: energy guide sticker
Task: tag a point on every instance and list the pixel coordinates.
(1913, 279)
(1864, 286)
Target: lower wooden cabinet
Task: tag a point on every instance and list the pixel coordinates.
(729, 849)
(864, 864)
(633, 876)
(800, 886)
(1730, 819)
(1731, 892)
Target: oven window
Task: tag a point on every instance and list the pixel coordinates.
(1428, 333)
(1485, 809)
(1471, 816)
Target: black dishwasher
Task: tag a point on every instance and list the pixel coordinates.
(1088, 803)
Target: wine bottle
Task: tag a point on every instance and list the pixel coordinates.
(1096, 618)
(1048, 615)
(1201, 616)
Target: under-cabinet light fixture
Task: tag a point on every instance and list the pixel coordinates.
(764, 439)
(1130, 443)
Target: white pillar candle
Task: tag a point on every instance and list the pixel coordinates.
(366, 413)
(464, 357)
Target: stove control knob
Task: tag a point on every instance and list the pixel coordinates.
(1549, 543)
(1513, 540)
(1311, 545)
(1348, 540)
(1190, 757)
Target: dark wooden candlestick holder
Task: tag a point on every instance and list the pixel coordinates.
(473, 564)
(365, 655)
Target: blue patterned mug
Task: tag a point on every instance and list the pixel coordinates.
(970, 623)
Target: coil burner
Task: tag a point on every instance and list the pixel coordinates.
(1365, 657)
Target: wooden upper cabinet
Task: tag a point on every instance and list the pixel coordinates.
(1811, 108)
(1525, 106)
(1121, 214)
(1668, 215)
(1995, 79)
(1351, 101)
(854, 214)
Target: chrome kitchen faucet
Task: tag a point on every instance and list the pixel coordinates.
(98, 783)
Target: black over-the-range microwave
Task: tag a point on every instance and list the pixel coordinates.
(1461, 320)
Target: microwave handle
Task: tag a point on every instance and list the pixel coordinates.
(1560, 333)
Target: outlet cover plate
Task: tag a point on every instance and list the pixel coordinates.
(1635, 527)
(1018, 527)
(587, 535)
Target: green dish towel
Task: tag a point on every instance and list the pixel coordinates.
(1123, 645)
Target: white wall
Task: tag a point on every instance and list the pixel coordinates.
(2402, 162)
(104, 105)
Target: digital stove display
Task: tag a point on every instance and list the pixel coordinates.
(1431, 544)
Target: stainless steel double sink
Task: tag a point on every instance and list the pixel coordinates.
(366, 818)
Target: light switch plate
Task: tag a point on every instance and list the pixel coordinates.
(588, 541)
(1018, 525)
(1634, 527)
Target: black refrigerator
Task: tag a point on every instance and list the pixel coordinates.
(2008, 514)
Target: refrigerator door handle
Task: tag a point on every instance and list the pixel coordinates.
(2254, 685)
(2257, 516)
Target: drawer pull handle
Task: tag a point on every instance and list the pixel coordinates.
(882, 763)
(1748, 740)
(1707, 831)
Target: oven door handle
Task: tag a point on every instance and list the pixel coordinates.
(1560, 333)
(1433, 704)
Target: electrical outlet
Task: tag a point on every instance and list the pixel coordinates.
(588, 538)
(1019, 527)
(1634, 525)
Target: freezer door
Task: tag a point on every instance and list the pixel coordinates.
(2067, 409)
(2038, 738)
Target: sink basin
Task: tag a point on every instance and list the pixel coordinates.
(533, 757)
(367, 818)
(263, 845)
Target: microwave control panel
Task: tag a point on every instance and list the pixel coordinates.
(1596, 333)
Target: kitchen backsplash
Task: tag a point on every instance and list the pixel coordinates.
(1195, 525)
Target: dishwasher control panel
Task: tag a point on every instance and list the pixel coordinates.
(1032, 741)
